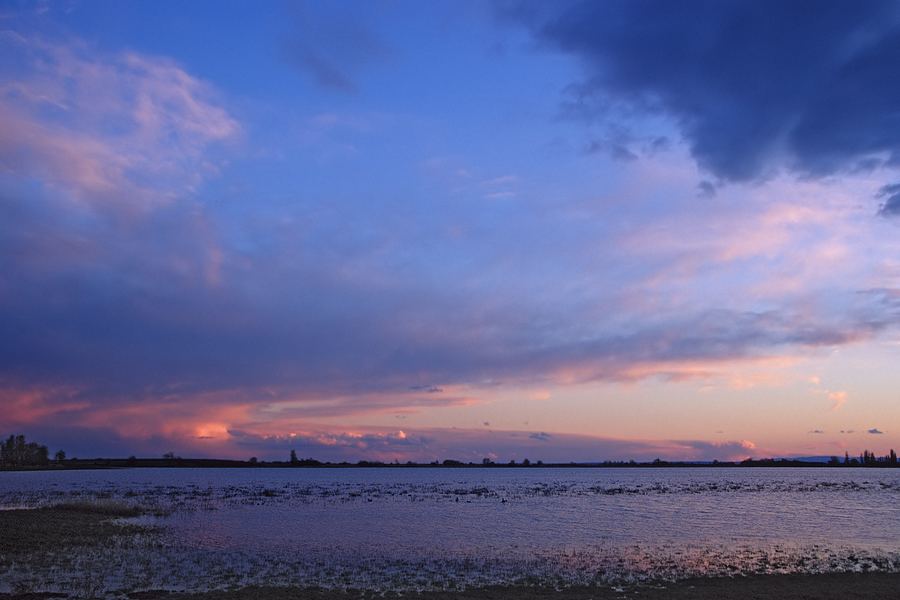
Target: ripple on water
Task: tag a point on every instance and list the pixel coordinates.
(442, 529)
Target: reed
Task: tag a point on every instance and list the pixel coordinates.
(110, 508)
(100, 506)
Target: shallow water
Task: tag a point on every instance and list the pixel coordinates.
(402, 528)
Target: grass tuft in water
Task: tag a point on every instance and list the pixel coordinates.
(102, 507)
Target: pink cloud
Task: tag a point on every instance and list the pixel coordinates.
(119, 132)
(228, 424)
(27, 404)
(839, 399)
(472, 445)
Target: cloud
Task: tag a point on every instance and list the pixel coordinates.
(427, 388)
(698, 450)
(707, 189)
(470, 445)
(753, 87)
(327, 331)
(875, 431)
(817, 431)
(121, 133)
(360, 444)
(839, 399)
(147, 331)
(891, 206)
(237, 426)
(330, 47)
(128, 288)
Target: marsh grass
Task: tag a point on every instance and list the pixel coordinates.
(108, 507)
(73, 548)
(101, 507)
(65, 524)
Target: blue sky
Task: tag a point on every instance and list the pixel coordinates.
(416, 231)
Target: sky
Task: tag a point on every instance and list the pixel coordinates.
(418, 231)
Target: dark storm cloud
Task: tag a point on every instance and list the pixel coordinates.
(753, 86)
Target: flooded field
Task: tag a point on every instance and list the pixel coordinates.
(420, 528)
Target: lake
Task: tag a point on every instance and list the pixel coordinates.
(421, 528)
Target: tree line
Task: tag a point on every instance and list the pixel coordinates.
(16, 452)
(867, 459)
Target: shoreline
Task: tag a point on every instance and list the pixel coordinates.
(76, 464)
(826, 586)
